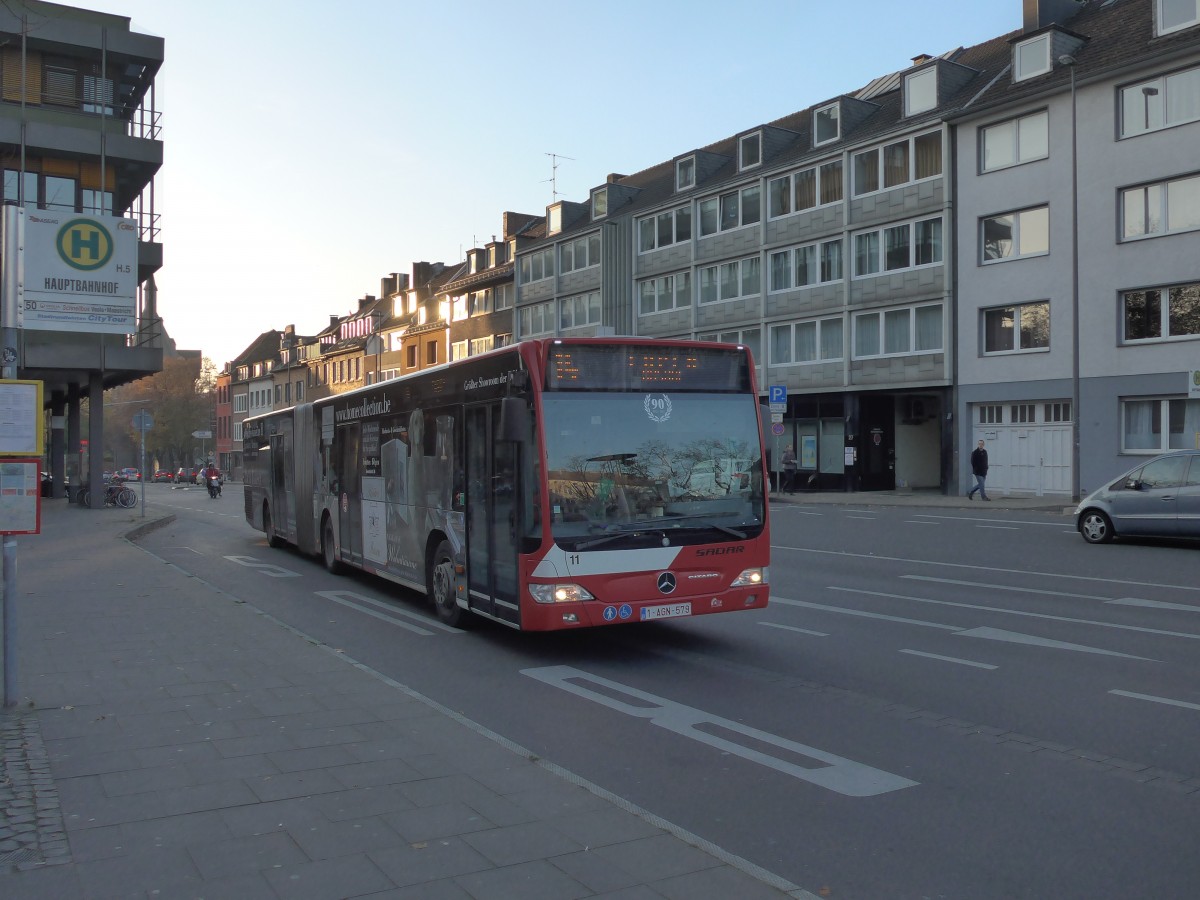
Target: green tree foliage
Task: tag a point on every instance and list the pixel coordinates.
(181, 399)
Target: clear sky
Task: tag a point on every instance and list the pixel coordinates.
(313, 148)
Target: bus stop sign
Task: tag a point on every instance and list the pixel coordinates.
(142, 420)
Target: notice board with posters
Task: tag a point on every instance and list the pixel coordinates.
(20, 496)
(20, 418)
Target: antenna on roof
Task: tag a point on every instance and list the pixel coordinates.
(553, 179)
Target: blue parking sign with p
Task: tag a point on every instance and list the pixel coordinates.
(777, 393)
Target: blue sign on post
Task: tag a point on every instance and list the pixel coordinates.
(777, 393)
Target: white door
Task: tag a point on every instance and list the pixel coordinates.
(1028, 458)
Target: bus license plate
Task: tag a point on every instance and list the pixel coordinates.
(669, 611)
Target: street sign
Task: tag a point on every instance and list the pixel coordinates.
(777, 393)
(202, 435)
(776, 418)
(143, 421)
(777, 428)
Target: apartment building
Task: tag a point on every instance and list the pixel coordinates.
(1079, 235)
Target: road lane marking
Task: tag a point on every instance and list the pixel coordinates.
(841, 775)
(1153, 604)
(919, 522)
(953, 659)
(337, 598)
(794, 628)
(268, 569)
(1017, 612)
(864, 518)
(392, 610)
(1000, 527)
(950, 565)
(1153, 699)
(1002, 587)
(1016, 637)
(863, 613)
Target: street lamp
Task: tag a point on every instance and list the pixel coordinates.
(1076, 413)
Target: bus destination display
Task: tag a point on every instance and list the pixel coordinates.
(595, 367)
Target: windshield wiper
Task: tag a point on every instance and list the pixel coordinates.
(707, 523)
(630, 529)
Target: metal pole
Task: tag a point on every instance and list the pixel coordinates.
(142, 468)
(1076, 412)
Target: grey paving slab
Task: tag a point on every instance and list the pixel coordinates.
(332, 839)
(721, 883)
(595, 872)
(514, 844)
(536, 880)
(370, 801)
(429, 861)
(426, 823)
(293, 784)
(656, 858)
(281, 815)
(330, 879)
(247, 853)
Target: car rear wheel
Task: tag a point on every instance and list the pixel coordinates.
(1095, 527)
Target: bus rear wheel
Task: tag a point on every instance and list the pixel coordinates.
(442, 586)
(273, 539)
(329, 549)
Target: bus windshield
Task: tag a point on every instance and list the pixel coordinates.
(661, 466)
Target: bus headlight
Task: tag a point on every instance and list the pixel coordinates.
(559, 593)
(751, 577)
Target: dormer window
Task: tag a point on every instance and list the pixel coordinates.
(750, 151)
(685, 174)
(920, 91)
(600, 203)
(1176, 14)
(554, 219)
(826, 126)
(1031, 58)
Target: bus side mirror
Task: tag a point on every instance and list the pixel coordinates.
(514, 420)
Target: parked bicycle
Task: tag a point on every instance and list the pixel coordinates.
(114, 495)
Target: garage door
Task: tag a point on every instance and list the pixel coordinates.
(1025, 457)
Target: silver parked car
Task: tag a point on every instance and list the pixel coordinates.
(1159, 498)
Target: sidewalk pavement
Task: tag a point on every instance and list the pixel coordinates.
(1052, 503)
(171, 740)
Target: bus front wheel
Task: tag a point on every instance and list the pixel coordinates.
(442, 586)
(329, 549)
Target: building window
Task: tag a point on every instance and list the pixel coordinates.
(826, 127)
(664, 229)
(896, 247)
(732, 210)
(920, 91)
(663, 294)
(431, 354)
(805, 266)
(1031, 58)
(806, 342)
(479, 302)
(239, 403)
(503, 296)
(729, 281)
(1017, 234)
(1157, 425)
(685, 173)
(894, 332)
(410, 357)
(899, 163)
(750, 338)
(576, 312)
(1024, 413)
(750, 151)
(458, 350)
(600, 203)
(1176, 14)
(581, 253)
(1163, 208)
(554, 219)
(1056, 412)
(1158, 314)
(806, 189)
(536, 319)
(1015, 142)
(1011, 328)
(1160, 102)
(991, 415)
(536, 266)
(481, 345)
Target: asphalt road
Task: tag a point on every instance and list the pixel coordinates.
(937, 703)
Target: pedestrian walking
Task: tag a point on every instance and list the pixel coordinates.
(979, 468)
(789, 469)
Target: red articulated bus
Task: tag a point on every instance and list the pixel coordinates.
(551, 484)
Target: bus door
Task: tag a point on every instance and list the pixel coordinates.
(277, 487)
(493, 524)
(348, 463)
